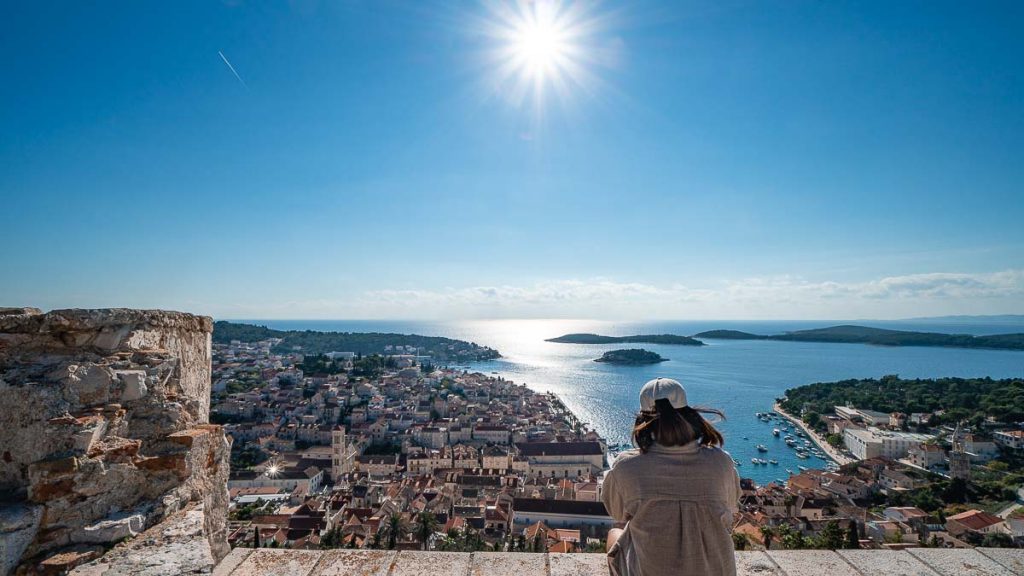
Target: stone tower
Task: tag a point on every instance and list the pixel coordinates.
(959, 460)
(341, 454)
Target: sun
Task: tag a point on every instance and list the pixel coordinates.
(541, 47)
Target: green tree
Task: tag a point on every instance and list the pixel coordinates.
(813, 419)
(997, 540)
(791, 539)
(393, 530)
(740, 541)
(426, 524)
(852, 536)
(538, 543)
(768, 534)
(471, 541)
(831, 536)
(956, 492)
(331, 538)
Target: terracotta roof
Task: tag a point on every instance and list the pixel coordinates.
(559, 448)
(975, 519)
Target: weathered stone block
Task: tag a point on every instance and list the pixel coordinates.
(63, 562)
(756, 563)
(886, 563)
(578, 564)
(18, 526)
(1011, 558)
(178, 545)
(409, 563)
(111, 530)
(354, 563)
(489, 563)
(812, 563)
(959, 562)
(134, 384)
(188, 437)
(278, 562)
(115, 449)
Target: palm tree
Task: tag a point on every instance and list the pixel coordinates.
(394, 529)
(426, 524)
(767, 534)
(471, 541)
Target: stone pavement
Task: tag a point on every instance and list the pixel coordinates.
(912, 562)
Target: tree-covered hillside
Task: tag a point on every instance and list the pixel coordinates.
(971, 399)
(313, 342)
(850, 334)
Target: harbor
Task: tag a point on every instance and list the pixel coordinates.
(833, 455)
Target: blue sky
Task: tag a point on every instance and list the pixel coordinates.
(717, 160)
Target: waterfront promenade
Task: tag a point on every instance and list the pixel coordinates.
(835, 455)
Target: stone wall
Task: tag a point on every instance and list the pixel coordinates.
(104, 433)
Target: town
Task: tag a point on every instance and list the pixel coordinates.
(345, 450)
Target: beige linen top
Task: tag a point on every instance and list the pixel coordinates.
(679, 502)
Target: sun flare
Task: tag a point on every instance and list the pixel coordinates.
(541, 47)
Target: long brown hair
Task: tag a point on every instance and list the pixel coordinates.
(670, 426)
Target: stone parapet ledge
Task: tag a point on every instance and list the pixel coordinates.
(911, 562)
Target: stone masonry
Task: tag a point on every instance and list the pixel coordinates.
(912, 562)
(104, 434)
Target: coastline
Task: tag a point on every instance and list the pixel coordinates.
(814, 437)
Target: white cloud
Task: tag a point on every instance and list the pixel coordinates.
(787, 297)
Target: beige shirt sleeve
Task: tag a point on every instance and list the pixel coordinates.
(736, 492)
(612, 498)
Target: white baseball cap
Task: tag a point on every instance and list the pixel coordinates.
(662, 388)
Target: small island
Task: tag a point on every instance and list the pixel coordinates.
(673, 339)
(631, 357)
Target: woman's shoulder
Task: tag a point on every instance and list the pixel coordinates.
(624, 458)
(716, 454)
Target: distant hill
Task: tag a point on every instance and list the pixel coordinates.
(637, 339)
(966, 319)
(880, 336)
(313, 342)
(728, 335)
(631, 357)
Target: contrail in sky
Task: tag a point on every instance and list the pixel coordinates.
(232, 68)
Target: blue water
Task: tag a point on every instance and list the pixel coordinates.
(738, 377)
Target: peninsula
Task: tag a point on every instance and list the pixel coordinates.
(631, 357)
(311, 342)
(637, 339)
(850, 334)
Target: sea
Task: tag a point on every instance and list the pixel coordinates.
(739, 377)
